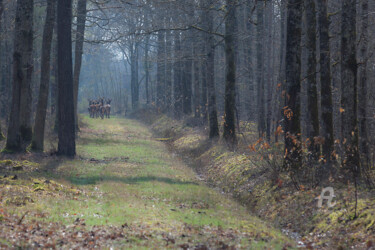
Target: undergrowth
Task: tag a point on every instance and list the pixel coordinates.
(254, 177)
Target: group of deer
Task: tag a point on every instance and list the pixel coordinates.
(100, 108)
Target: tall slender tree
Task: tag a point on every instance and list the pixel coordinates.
(260, 66)
(1, 14)
(168, 69)
(325, 81)
(248, 59)
(230, 83)
(210, 71)
(178, 102)
(19, 129)
(349, 68)
(40, 117)
(66, 133)
(160, 69)
(80, 35)
(292, 111)
(311, 80)
(362, 75)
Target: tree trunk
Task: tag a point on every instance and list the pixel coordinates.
(210, 76)
(168, 71)
(178, 102)
(260, 69)
(40, 117)
(160, 70)
(66, 115)
(187, 73)
(230, 84)
(362, 74)
(351, 160)
(281, 77)
(249, 55)
(147, 70)
(269, 67)
(80, 35)
(26, 92)
(203, 63)
(325, 81)
(1, 13)
(19, 130)
(292, 111)
(196, 81)
(312, 92)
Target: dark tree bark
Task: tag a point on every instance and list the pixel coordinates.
(349, 67)
(1, 10)
(168, 71)
(282, 70)
(147, 57)
(260, 74)
(1, 14)
(40, 117)
(210, 76)
(1, 134)
(312, 93)
(203, 64)
(80, 35)
(66, 134)
(251, 115)
(325, 81)
(230, 84)
(269, 58)
(187, 73)
(362, 74)
(134, 76)
(178, 102)
(147, 70)
(19, 130)
(160, 70)
(197, 79)
(292, 110)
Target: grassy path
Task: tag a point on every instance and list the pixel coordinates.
(132, 182)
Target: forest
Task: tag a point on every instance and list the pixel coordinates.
(187, 124)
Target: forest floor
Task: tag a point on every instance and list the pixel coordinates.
(252, 175)
(124, 189)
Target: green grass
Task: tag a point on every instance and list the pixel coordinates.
(130, 177)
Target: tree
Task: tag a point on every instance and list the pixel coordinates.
(292, 110)
(19, 129)
(160, 69)
(178, 102)
(230, 83)
(210, 71)
(325, 81)
(1, 13)
(281, 74)
(312, 92)
(134, 65)
(66, 115)
(168, 70)
(187, 73)
(248, 60)
(349, 67)
(260, 76)
(362, 75)
(80, 35)
(40, 117)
